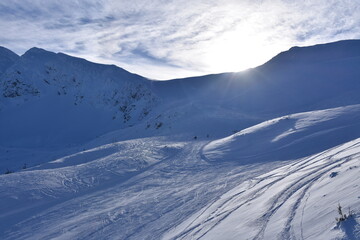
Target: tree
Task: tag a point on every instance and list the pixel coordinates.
(343, 216)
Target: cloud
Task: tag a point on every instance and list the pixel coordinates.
(166, 39)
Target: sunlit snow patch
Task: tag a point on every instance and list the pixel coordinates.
(288, 137)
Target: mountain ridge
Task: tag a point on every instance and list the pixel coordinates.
(125, 99)
(320, 52)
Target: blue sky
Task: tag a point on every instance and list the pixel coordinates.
(164, 39)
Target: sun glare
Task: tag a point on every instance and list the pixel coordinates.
(237, 50)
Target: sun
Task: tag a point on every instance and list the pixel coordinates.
(236, 51)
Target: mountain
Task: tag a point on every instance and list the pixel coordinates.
(329, 52)
(278, 86)
(92, 151)
(7, 58)
(233, 101)
(50, 100)
(66, 99)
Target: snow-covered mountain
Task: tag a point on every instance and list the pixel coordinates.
(51, 100)
(107, 154)
(76, 100)
(7, 58)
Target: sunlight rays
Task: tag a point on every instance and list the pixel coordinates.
(238, 50)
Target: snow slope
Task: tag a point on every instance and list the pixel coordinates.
(158, 188)
(296, 201)
(111, 155)
(289, 137)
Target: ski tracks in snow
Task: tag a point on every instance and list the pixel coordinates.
(183, 196)
(282, 190)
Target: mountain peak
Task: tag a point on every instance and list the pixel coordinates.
(35, 51)
(7, 52)
(7, 58)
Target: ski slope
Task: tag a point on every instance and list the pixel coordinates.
(295, 201)
(156, 188)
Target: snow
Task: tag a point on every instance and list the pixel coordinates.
(296, 201)
(268, 153)
(81, 99)
(292, 136)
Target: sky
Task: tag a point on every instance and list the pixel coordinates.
(166, 39)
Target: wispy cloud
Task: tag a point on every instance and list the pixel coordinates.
(174, 38)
